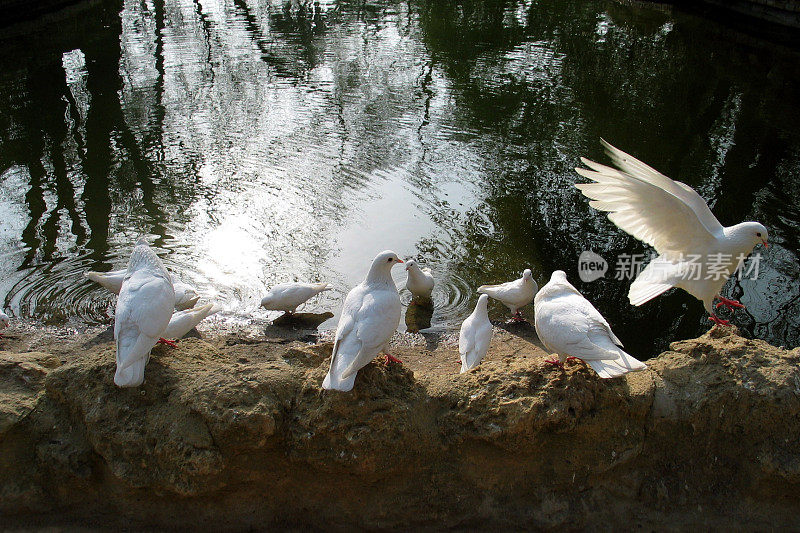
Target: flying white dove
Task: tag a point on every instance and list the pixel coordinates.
(182, 322)
(514, 294)
(185, 295)
(570, 326)
(370, 316)
(144, 309)
(4, 321)
(420, 280)
(696, 253)
(476, 332)
(288, 296)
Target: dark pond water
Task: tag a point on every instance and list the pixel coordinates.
(263, 142)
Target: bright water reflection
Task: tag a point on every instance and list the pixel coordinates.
(263, 142)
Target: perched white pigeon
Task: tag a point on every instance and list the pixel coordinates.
(185, 295)
(182, 322)
(144, 309)
(570, 326)
(288, 296)
(696, 253)
(370, 316)
(4, 321)
(514, 294)
(476, 332)
(420, 280)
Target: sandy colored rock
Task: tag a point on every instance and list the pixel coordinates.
(234, 432)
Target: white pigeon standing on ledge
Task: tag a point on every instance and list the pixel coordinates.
(182, 322)
(514, 294)
(570, 326)
(4, 321)
(475, 335)
(144, 309)
(420, 280)
(672, 218)
(185, 295)
(370, 316)
(288, 296)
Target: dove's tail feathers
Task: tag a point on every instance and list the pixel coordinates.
(334, 383)
(613, 368)
(659, 276)
(487, 289)
(606, 369)
(629, 362)
(132, 375)
(322, 287)
(467, 362)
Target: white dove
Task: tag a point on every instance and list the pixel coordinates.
(476, 333)
(4, 321)
(288, 296)
(570, 326)
(696, 253)
(144, 309)
(185, 295)
(370, 316)
(182, 322)
(420, 280)
(514, 294)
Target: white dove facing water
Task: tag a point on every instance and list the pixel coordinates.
(475, 335)
(370, 316)
(514, 294)
(288, 296)
(144, 309)
(696, 253)
(569, 325)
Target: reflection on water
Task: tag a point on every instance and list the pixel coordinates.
(260, 142)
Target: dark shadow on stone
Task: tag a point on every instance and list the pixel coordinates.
(301, 320)
(105, 336)
(432, 340)
(525, 330)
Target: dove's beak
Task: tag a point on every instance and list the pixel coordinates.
(765, 243)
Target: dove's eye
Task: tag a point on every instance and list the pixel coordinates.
(758, 234)
(389, 260)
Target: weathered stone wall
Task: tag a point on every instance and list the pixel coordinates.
(235, 433)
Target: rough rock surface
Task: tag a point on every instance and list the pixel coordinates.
(234, 433)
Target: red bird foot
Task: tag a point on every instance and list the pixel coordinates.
(570, 358)
(517, 318)
(554, 362)
(730, 304)
(173, 344)
(718, 321)
(390, 359)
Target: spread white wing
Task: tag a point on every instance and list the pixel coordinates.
(668, 215)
